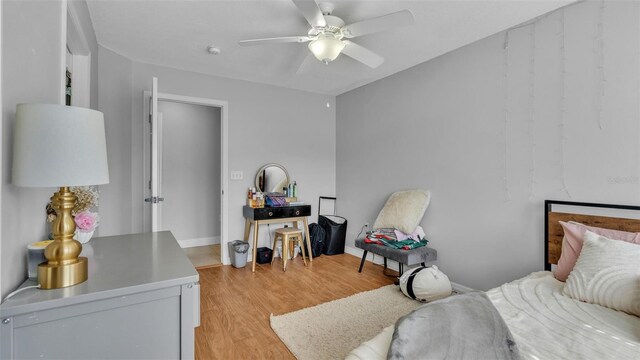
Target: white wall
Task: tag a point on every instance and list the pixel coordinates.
(266, 124)
(190, 170)
(492, 132)
(33, 46)
(114, 100)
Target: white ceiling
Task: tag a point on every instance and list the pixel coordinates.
(177, 33)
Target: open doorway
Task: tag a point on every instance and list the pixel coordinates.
(186, 161)
(189, 168)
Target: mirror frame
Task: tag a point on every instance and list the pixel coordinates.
(263, 168)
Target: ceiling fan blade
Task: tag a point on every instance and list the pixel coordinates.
(306, 63)
(381, 23)
(276, 40)
(362, 54)
(311, 12)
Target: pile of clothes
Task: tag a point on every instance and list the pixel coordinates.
(397, 239)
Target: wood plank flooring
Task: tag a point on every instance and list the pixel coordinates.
(204, 256)
(236, 304)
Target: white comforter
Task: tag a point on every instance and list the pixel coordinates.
(547, 324)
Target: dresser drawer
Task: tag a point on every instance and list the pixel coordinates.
(276, 212)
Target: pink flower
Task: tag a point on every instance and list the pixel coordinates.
(86, 220)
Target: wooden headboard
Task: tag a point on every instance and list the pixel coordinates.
(554, 232)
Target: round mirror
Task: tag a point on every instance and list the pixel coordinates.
(272, 178)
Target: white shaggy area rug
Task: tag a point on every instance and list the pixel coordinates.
(331, 330)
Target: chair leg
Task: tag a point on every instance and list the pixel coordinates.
(385, 263)
(400, 266)
(364, 257)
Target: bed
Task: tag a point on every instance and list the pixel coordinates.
(545, 323)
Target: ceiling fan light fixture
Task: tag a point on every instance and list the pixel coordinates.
(326, 48)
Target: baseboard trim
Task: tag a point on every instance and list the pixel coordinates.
(187, 243)
(393, 265)
(461, 289)
(379, 260)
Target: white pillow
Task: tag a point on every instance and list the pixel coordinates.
(374, 349)
(403, 210)
(607, 273)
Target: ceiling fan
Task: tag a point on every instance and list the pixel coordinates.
(328, 35)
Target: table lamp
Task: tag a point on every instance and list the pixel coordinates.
(60, 146)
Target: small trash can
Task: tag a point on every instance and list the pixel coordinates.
(238, 252)
(264, 255)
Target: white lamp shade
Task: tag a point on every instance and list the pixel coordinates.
(57, 145)
(326, 48)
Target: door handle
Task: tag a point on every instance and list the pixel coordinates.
(154, 199)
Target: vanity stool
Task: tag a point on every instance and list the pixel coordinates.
(288, 236)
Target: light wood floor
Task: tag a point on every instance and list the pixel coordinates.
(236, 304)
(204, 256)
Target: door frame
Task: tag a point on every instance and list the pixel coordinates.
(223, 105)
(2, 165)
(76, 42)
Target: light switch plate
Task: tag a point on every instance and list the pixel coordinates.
(237, 175)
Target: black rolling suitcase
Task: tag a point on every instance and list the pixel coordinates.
(335, 228)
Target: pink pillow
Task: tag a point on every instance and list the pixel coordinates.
(572, 244)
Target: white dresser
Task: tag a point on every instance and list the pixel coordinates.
(142, 301)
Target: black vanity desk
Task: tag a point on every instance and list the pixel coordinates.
(272, 215)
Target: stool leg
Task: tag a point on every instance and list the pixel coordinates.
(291, 249)
(285, 252)
(364, 257)
(302, 251)
(400, 266)
(306, 235)
(423, 264)
(385, 263)
(273, 249)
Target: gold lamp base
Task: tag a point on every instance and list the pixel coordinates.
(64, 267)
(59, 276)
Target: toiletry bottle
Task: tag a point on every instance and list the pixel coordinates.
(290, 190)
(295, 189)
